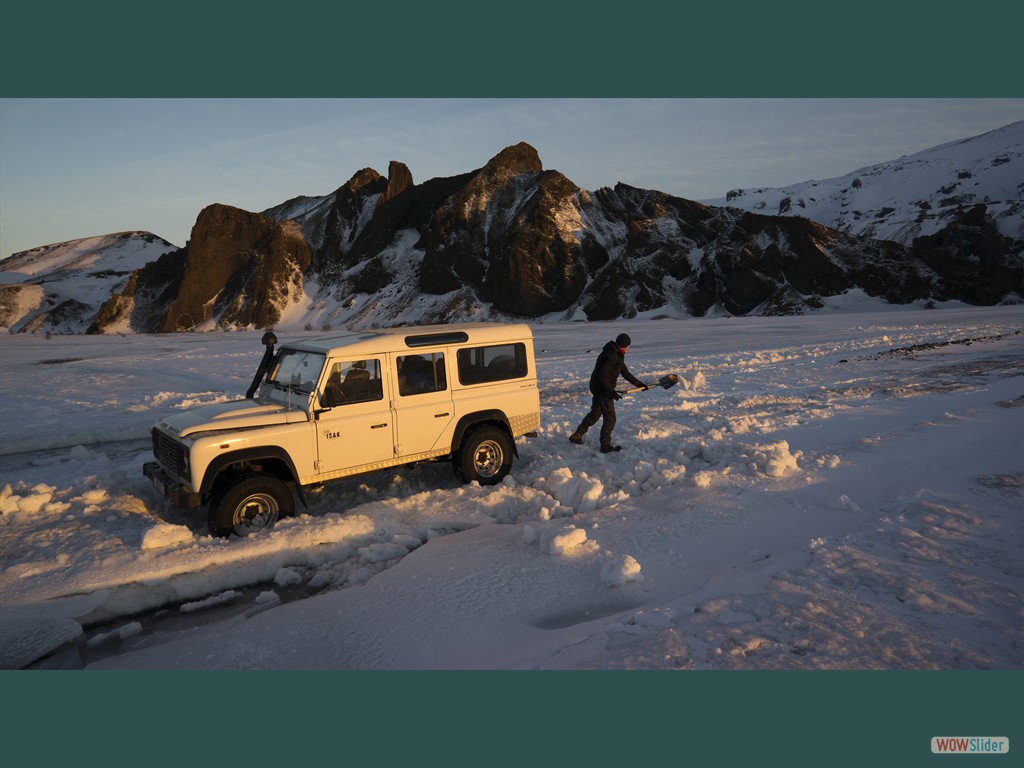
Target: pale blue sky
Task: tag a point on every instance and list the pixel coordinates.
(73, 168)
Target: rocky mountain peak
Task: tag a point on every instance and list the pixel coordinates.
(240, 268)
(513, 161)
(507, 179)
(399, 180)
(361, 180)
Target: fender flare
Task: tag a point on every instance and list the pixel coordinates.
(220, 463)
(470, 420)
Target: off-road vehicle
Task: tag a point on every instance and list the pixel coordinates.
(346, 404)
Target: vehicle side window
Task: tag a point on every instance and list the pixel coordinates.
(353, 381)
(495, 363)
(418, 374)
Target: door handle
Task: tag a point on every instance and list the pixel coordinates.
(441, 415)
(378, 426)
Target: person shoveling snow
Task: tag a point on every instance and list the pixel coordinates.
(611, 364)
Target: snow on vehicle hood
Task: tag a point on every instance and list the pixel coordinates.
(238, 414)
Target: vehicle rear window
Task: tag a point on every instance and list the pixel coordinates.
(499, 362)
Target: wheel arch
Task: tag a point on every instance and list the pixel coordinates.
(471, 421)
(268, 459)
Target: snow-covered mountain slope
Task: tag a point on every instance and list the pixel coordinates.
(61, 286)
(119, 252)
(912, 196)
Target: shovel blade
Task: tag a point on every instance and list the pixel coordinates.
(668, 381)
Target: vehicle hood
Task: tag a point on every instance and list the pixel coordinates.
(238, 414)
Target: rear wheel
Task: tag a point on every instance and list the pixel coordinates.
(249, 504)
(485, 456)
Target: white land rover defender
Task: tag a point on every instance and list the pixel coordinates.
(347, 404)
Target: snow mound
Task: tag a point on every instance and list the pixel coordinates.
(166, 535)
(620, 570)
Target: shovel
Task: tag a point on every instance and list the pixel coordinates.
(664, 382)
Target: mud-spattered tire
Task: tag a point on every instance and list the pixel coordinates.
(485, 456)
(249, 504)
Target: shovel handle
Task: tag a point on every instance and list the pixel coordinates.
(664, 382)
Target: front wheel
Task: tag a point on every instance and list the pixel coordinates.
(485, 456)
(249, 504)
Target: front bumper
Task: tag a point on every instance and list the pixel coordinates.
(170, 488)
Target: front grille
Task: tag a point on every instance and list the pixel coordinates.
(170, 453)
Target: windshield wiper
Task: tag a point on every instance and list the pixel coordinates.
(294, 388)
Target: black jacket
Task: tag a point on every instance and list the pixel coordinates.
(611, 364)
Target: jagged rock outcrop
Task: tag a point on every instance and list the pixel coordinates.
(350, 209)
(68, 313)
(972, 260)
(513, 234)
(240, 270)
(675, 251)
(389, 210)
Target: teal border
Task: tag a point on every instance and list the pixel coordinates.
(525, 49)
(707, 718)
(554, 48)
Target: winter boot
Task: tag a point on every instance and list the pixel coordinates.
(610, 448)
(576, 438)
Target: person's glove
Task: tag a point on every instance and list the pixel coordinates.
(616, 396)
(645, 386)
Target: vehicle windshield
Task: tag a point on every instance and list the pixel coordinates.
(296, 371)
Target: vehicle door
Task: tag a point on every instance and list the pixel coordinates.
(355, 426)
(423, 401)
(292, 382)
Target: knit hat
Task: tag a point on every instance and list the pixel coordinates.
(623, 340)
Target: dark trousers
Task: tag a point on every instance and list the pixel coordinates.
(602, 409)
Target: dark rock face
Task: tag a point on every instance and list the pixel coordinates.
(538, 262)
(146, 298)
(238, 269)
(389, 212)
(973, 261)
(529, 242)
(67, 314)
(335, 230)
(513, 234)
(158, 285)
(672, 250)
(468, 232)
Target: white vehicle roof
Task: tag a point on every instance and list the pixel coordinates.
(411, 338)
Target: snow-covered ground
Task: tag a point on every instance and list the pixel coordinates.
(836, 491)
